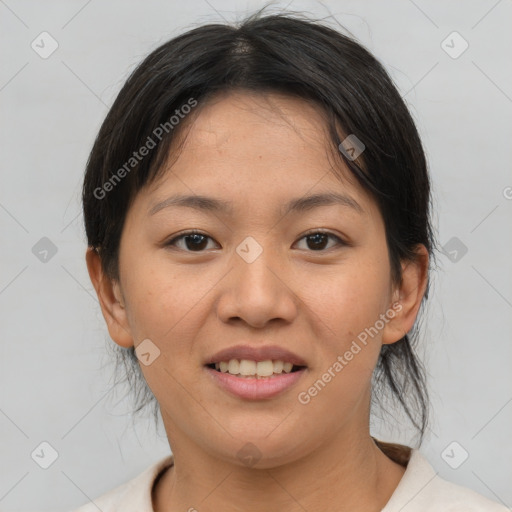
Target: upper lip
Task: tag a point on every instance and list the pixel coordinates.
(272, 352)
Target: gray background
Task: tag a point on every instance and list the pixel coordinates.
(55, 378)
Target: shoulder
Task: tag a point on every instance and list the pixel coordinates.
(457, 498)
(422, 489)
(131, 496)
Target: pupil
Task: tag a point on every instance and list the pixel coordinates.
(317, 238)
(196, 238)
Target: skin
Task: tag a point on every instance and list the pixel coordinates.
(260, 152)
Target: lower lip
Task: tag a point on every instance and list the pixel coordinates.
(255, 388)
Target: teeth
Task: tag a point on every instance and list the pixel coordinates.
(264, 368)
(278, 366)
(247, 368)
(234, 367)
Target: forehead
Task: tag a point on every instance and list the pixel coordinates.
(256, 123)
(254, 149)
(256, 137)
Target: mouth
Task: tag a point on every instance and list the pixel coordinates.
(250, 379)
(255, 373)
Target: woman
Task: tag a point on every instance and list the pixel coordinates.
(257, 209)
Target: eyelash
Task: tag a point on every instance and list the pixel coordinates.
(340, 242)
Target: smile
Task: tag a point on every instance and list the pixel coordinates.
(249, 368)
(251, 380)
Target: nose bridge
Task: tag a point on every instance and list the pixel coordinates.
(253, 264)
(256, 292)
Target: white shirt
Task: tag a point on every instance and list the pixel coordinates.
(419, 490)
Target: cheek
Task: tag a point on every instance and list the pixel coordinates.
(347, 299)
(346, 305)
(169, 304)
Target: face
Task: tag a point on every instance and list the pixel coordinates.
(257, 275)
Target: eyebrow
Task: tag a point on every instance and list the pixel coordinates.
(298, 205)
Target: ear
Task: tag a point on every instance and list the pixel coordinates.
(110, 299)
(407, 297)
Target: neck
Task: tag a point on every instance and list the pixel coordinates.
(349, 473)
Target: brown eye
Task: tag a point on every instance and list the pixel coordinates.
(318, 240)
(193, 241)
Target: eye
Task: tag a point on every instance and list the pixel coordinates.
(317, 240)
(194, 241)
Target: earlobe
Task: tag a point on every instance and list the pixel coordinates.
(409, 295)
(110, 299)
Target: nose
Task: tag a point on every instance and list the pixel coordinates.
(258, 292)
